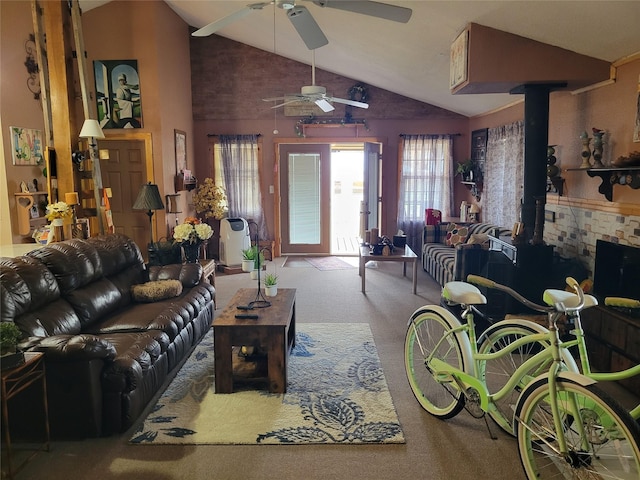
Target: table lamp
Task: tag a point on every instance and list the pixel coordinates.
(473, 213)
(149, 199)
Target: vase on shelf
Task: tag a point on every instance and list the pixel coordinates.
(597, 148)
(191, 251)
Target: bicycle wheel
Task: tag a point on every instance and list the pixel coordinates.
(497, 372)
(427, 327)
(602, 438)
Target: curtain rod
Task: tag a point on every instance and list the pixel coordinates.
(232, 134)
(433, 134)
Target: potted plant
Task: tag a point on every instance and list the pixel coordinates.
(258, 262)
(248, 259)
(271, 284)
(9, 336)
(466, 170)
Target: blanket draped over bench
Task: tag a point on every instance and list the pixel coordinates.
(106, 355)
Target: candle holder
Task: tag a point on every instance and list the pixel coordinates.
(586, 150)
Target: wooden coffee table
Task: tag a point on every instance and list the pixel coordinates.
(405, 256)
(274, 332)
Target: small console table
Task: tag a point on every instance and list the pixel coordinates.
(14, 381)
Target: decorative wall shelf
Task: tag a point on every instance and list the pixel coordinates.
(29, 214)
(611, 176)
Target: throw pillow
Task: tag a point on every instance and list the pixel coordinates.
(456, 234)
(478, 238)
(158, 290)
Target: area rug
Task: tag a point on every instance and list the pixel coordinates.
(336, 394)
(329, 263)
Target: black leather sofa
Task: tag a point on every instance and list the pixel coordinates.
(106, 355)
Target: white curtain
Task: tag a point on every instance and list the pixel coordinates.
(240, 174)
(426, 177)
(504, 175)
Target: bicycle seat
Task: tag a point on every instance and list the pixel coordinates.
(566, 299)
(463, 293)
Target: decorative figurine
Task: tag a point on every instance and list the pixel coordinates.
(586, 150)
(597, 147)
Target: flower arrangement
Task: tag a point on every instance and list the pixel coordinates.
(58, 210)
(210, 200)
(192, 231)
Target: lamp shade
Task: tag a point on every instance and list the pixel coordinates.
(474, 209)
(149, 198)
(91, 129)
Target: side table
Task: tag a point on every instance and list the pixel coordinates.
(209, 270)
(14, 381)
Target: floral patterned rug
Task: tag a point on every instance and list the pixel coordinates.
(336, 393)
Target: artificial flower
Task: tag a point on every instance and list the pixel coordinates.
(210, 200)
(58, 210)
(192, 231)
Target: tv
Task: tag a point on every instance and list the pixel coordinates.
(617, 271)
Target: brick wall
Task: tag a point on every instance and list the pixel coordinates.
(575, 231)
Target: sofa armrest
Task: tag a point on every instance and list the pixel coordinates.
(71, 347)
(189, 273)
(470, 259)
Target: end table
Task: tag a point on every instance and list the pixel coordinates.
(14, 381)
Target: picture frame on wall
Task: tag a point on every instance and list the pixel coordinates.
(118, 94)
(181, 150)
(26, 146)
(458, 60)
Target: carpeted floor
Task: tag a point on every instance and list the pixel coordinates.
(336, 393)
(434, 449)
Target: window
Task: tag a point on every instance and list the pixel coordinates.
(425, 177)
(237, 161)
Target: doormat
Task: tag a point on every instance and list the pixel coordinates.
(329, 263)
(336, 394)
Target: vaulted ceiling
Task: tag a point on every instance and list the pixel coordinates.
(412, 59)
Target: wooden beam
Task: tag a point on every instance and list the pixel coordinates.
(60, 63)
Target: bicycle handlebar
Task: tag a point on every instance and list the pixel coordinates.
(622, 302)
(571, 282)
(485, 282)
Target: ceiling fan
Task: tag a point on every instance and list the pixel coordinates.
(303, 21)
(314, 94)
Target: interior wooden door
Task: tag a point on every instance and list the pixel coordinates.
(125, 172)
(305, 198)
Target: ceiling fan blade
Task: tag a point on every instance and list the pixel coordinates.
(307, 27)
(273, 99)
(353, 103)
(223, 22)
(288, 102)
(324, 105)
(374, 9)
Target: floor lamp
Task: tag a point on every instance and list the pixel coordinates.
(149, 199)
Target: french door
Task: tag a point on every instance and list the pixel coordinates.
(306, 196)
(305, 207)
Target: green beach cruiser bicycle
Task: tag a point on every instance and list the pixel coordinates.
(565, 425)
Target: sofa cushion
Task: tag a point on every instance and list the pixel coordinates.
(158, 290)
(456, 234)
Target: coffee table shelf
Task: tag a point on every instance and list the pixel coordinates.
(273, 332)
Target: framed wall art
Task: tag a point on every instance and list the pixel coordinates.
(118, 94)
(26, 146)
(459, 56)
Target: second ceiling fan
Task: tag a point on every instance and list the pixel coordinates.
(314, 94)
(303, 21)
